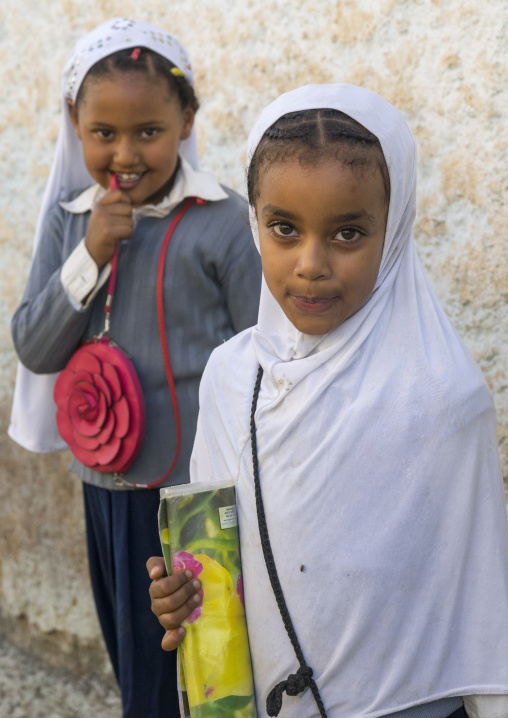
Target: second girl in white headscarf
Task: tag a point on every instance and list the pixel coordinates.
(355, 416)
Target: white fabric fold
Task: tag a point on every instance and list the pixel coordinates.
(33, 414)
(380, 477)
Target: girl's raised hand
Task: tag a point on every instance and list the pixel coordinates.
(173, 600)
(110, 221)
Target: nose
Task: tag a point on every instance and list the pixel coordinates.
(313, 261)
(126, 153)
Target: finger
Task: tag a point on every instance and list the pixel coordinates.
(171, 620)
(156, 567)
(172, 639)
(119, 232)
(182, 585)
(114, 196)
(110, 208)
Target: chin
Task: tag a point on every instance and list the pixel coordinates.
(314, 328)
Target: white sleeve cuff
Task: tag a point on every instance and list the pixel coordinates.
(81, 278)
(492, 706)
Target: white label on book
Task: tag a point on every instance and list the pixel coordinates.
(227, 516)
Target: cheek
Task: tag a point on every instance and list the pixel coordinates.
(272, 261)
(360, 273)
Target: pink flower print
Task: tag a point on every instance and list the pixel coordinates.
(182, 560)
(239, 589)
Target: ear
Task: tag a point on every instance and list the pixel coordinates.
(73, 112)
(188, 122)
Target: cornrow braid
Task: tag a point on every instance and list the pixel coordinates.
(148, 63)
(285, 133)
(311, 135)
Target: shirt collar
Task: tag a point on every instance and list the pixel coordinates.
(188, 183)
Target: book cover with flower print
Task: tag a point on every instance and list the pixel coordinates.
(199, 531)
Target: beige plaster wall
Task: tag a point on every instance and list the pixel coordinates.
(444, 64)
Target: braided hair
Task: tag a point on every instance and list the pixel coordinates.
(313, 135)
(148, 63)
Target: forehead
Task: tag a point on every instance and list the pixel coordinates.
(130, 94)
(321, 190)
(138, 81)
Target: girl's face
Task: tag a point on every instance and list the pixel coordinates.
(130, 125)
(321, 233)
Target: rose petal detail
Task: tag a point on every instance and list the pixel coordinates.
(100, 407)
(84, 455)
(65, 427)
(107, 452)
(111, 376)
(109, 426)
(86, 361)
(101, 411)
(121, 412)
(78, 409)
(87, 387)
(82, 375)
(85, 442)
(103, 388)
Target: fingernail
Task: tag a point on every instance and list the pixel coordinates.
(152, 573)
(181, 631)
(189, 574)
(196, 584)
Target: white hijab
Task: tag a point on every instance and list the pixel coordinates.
(379, 473)
(33, 424)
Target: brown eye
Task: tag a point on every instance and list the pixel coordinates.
(349, 234)
(283, 230)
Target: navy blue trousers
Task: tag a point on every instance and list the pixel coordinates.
(122, 533)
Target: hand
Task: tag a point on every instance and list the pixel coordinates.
(173, 599)
(110, 221)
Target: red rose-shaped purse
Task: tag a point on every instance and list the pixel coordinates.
(100, 405)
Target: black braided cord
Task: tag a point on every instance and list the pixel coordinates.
(299, 681)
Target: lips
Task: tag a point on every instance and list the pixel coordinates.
(313, 305)
(127, 180)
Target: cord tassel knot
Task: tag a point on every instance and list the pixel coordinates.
(294, 684)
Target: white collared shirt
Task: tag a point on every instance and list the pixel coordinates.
(80, 275)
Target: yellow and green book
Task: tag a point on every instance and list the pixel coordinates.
(199, 531)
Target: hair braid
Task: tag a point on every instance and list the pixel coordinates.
(148, 63)
(310, 135)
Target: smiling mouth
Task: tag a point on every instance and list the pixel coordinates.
(129, 177)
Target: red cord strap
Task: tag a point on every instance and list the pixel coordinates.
(162, 327)
(163, 336)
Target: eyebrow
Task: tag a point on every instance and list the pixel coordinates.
(273, 211)
(98, 124)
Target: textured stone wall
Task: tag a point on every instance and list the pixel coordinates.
(443, 63)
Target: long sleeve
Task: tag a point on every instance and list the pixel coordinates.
(46, 328)
(81, 277)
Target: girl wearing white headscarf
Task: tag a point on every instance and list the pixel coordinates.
(142, 135)
(375, 444)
